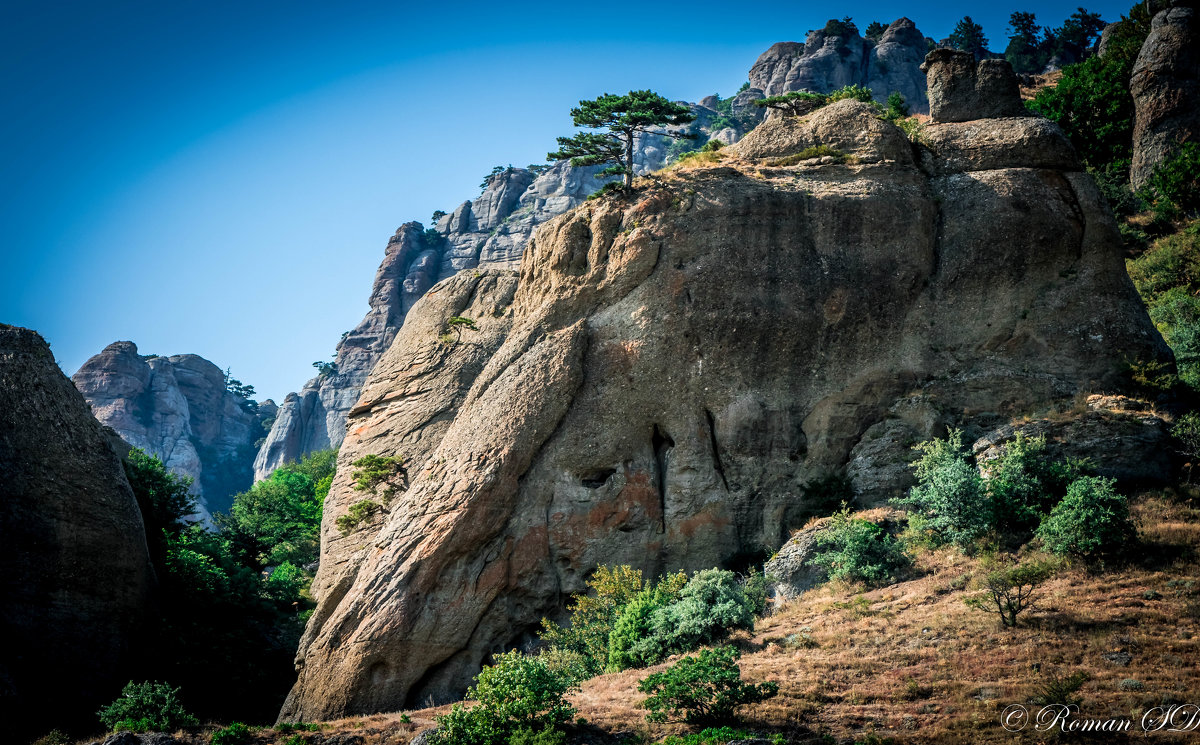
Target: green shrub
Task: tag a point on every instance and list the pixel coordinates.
(1092, 104)
(1186, 431)
(235, 734)
(143, 707)
(1010, 591)
(1024, 483)
(710, 606)
(593, 615)
(1167, 276)
(794, 103)
(855, 550)
(1174, 187)
(718, 736)
(949, 495)
(896, 108)
(1091, 522)
(373, 470)
(854, 92)
(517, 692)
(701, 689)
(360, 512)
(54, 737)
(526, 736)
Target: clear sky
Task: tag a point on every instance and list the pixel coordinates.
(221, 177)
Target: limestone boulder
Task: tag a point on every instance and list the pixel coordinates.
(1166, 85)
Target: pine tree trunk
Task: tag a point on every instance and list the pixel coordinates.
(629, 160)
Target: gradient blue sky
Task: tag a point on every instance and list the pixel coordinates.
(221, 178)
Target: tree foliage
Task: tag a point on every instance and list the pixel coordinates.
(701, 689)
(143, 707)
(968, 37)
(1010, 591)
(794, 103)
(856, 550)
(1091, 522)
(623, 117)
(515, 693)
(949, 496)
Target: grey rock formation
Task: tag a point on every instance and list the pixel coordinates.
(178, 409)
(826, 62)
(1166, 87)
(961, 89)
(75, 573)
(791, 569)
(1124, 438)
(488, 232)
(674, 366)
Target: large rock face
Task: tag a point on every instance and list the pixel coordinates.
(673, 367)
(177, 408)
(488, 232)
(75, 573)
(825, 62)
(962, 89)
(1165, 86)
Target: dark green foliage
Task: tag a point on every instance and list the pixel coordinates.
(845, 27)
(1167, 276)
(1057, 690)
(949, 499)
(278, 519)
(1093, 105)
(968, 36)
(515, 693)
(1174, 187)
(1023, 43)
(325, 369)
(236, 387)
(875, 31)
(853, 92)
(593, 615)
(855, 550)
(1009, 591)
(164, 498)
(526, 736)
(794, 103)
(718, 736)
(537, 169)
(456, 324)
(362, 511)
(1091, 522)
(225, 633)
(896, 108)
(705, 688)
(1024, 484)
(623, 117)
(434, 239)
(437, 215)
(235, 734)
(143, 707)
(373, 470)
(633, 641)
(1186, 432)
(496, 171)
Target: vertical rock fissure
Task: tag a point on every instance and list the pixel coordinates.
(661, 443)
(718, 466)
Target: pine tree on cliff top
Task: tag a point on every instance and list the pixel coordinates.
(623, 117)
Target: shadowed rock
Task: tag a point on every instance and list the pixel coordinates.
(961, 89)
(1166, 87)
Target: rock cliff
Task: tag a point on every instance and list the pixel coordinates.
(75, 573)
(490, 231)
(827, 61)
(177, 408)
(671, 368)
(1165, 86)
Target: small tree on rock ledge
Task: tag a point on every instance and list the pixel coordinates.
(624, 117)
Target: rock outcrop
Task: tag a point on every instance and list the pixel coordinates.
(75, 572)
(488, 232)
(962, 89)
(827, 61)
(178, 409)
(673, 367)
(1165, 86)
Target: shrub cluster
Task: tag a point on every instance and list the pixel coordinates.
(518, 699)
(1025, 493)
(701, 689)
(143, 707)
(626, 622)
(855, 550)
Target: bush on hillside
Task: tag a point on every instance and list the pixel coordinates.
(855, 550)
(1010, 591)
(1091, 522)
(704, 688)
(515, 693)
(949, 498)
(592, 616)
(143, 707)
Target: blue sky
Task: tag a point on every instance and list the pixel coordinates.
(221, 178)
